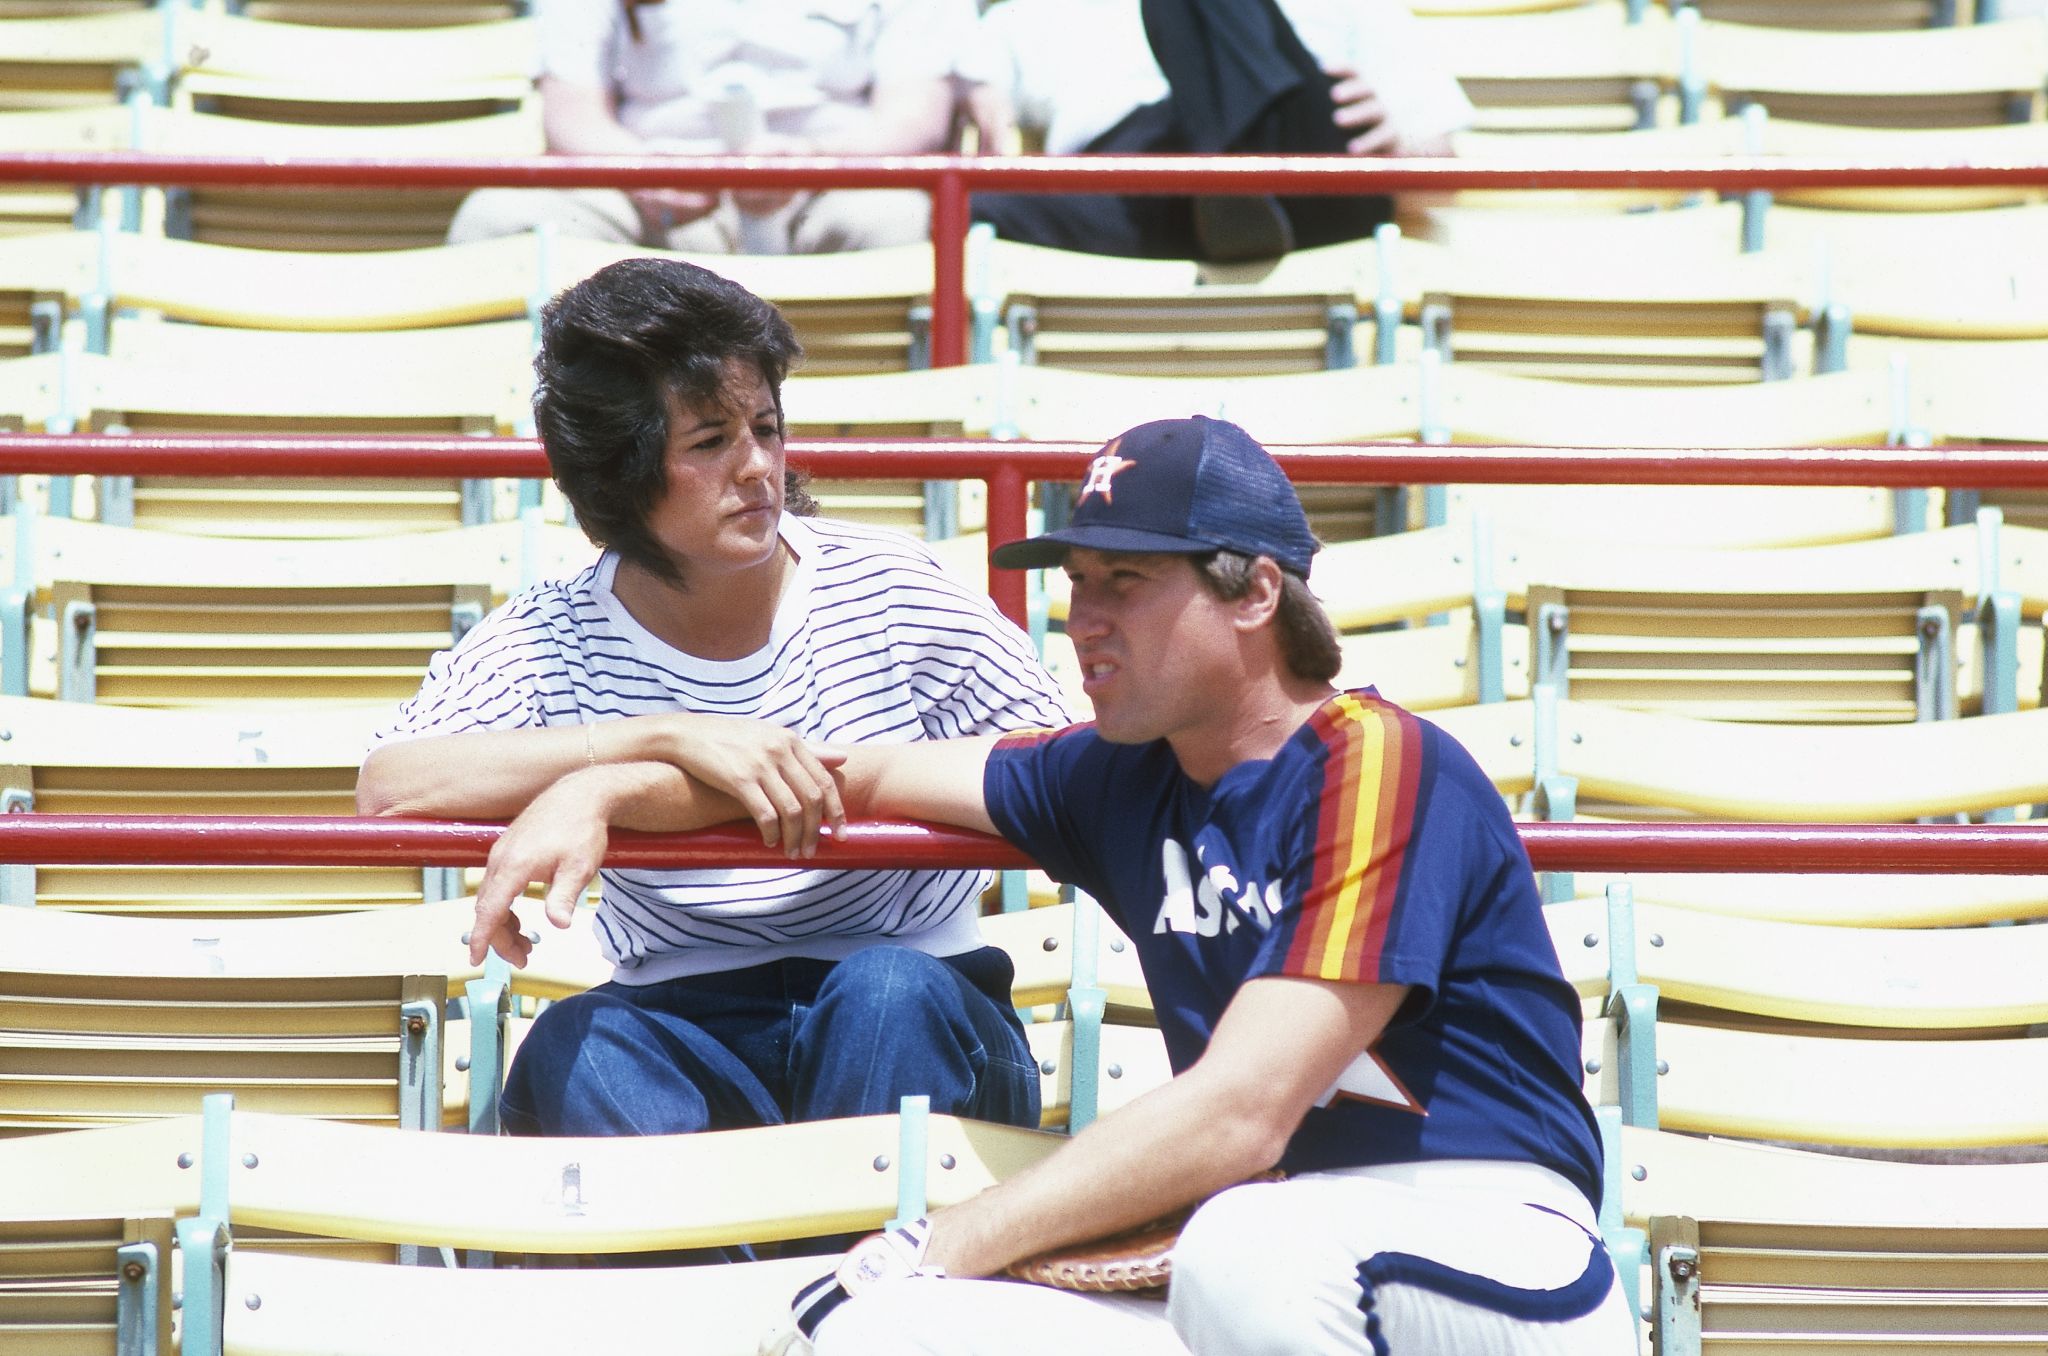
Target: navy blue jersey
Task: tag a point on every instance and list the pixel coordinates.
(1371, 848)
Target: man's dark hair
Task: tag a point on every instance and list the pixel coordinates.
(1308, 640)
(615, 351)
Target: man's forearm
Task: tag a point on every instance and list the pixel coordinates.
(1176, 1145)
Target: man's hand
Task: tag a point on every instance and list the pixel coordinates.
(663, 209)
(1361, 113)
(760, 202)
(558, 840)
(785, 785)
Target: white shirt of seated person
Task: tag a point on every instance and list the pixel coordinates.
(807, 65)
(1075, 91)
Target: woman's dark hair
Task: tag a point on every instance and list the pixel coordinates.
(1308, 640)
(617, 350)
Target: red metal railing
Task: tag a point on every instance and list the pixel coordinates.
(1697, 847)
(1009, 468)
(174, 840)
(950, 180)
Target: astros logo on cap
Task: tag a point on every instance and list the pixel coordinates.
(1100, 471)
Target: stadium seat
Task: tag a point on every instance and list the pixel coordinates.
(254, 86)
(1590, 317)
(935, 402)
(854, 312)
(1887, 901)
(71, 60)
(136, 617)
(71, 758)
(286, 290)
(173, 378)
(113, 1046)
(2025, 140)
(1901, 981)
(1092, 1029)
(32, 209)
(1156, 317)
(337, 1307)
(1854, 631)
(88, 1285)
(1483, 406)
(1853, 15)
(382, 13)
(1637, 765)
(250, 67)
(39, 274)
(1768, 1249)
(1725, 1283)
(1973, 75)
(1581, 70)
(32, 391)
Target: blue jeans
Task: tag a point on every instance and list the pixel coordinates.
(791, 1040)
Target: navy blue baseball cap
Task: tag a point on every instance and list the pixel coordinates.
(1179, 487)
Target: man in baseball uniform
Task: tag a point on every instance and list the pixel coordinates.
(1345, 949)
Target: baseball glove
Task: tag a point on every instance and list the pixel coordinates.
(1135, 1261)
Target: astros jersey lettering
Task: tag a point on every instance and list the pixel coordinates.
(1371, 848)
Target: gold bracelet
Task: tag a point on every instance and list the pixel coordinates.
(589, 744)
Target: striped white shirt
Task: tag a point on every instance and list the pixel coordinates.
(871, 643)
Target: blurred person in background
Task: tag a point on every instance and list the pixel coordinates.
(1338, 77)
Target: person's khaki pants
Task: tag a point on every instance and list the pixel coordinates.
(815, 223)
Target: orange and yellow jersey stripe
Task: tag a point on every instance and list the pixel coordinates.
(1031, 739)
(1372, 767)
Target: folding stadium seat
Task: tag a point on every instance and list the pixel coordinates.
(1856, 631)
(1590, 317)
(1577, 70)
(41, 277)
(267, 1193)
(1092, 1028)
(1975, 75)
(856, 311)
(922, 403)
(1467, 9)
(174, 378)
(140, 618)
(1767, 1249)
(382, 13)
(1481, 406)
(258, 68)
(33, 209)
(252, 86)
(1914, 901)
(291, 290)
(1859, 15)
(1977, 393)
(86, 1285)
(1644, 765)
(1972, 275)
(286, 217)
(1826, 1036)
(2020, 141)
(1706, 139)
(31, 393)
(1158, 317)
(72, 60)
(71, 758)
(119, 1019)
(1674, 234)
(97, 1049)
